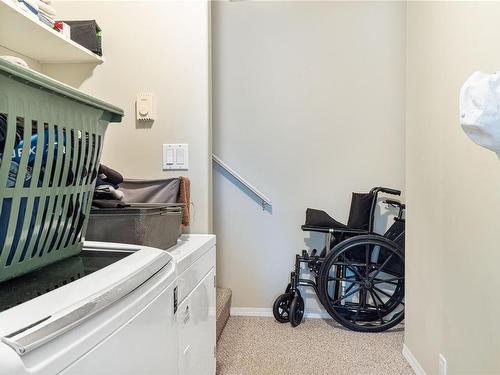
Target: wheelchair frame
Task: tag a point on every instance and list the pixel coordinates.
(334, 237)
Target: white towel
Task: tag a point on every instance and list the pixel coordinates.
(15, 60)
(45, 8)
(46, 15)
(48, 2)
(479, 110)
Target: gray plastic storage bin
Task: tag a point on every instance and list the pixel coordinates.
(51, 138)
(150, 224)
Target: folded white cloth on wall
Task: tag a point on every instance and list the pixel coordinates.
(480, 109)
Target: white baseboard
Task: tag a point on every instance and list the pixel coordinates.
(251, 311)
(268, 312)
(413, 361)
(317, 314)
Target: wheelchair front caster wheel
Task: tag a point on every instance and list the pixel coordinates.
(296, 310)
(281, 307)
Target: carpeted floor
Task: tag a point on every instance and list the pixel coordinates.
(261, 346)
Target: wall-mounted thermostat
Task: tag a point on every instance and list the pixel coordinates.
(144, 107)
(175, 156)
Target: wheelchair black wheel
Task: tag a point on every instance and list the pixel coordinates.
(296, 310)
(361, 283)
(281, 307)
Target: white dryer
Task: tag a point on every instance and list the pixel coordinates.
(195, 263)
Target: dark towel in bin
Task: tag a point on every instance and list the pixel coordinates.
(151, 191)
(108, 176)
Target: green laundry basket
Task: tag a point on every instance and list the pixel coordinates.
(51, 138)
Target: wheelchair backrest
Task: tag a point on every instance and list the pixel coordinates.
(361, 213)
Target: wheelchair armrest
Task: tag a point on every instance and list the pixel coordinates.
(395, 203)
(310, 228)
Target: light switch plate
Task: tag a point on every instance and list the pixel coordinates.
(176, 156)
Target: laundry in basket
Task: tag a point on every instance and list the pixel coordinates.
(51, 139)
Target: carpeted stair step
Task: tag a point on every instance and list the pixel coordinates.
(223, 308)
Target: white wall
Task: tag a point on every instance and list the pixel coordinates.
(160, 47)
(453, 193)
(308, 106)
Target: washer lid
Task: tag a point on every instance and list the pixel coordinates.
(33, 323)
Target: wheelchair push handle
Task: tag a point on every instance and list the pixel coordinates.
(386, 190)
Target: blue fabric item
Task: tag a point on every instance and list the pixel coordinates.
(4, 221)
(29, 7)
(18, 151)
(103, 181)
(99, 181)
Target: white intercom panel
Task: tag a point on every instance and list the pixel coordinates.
(144, 107)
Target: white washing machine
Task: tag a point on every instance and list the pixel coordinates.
(114, 310)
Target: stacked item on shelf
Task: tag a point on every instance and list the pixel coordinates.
(86, 33)
(46, 13)
(30, 7)
(39, 9)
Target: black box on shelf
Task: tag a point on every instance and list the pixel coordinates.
(87, 34)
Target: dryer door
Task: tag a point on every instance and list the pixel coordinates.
(196, 317)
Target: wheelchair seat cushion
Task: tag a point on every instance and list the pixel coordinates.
(359, 216)
(319, 218)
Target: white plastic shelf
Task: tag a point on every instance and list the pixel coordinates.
(23, 34)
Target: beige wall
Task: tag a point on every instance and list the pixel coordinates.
(453, 193)
(160, 47)
(308, 106)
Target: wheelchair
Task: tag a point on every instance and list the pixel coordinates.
(359, 275)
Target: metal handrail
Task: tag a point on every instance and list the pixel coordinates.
(265, 200)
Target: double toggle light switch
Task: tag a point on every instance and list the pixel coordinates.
(175, 156)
